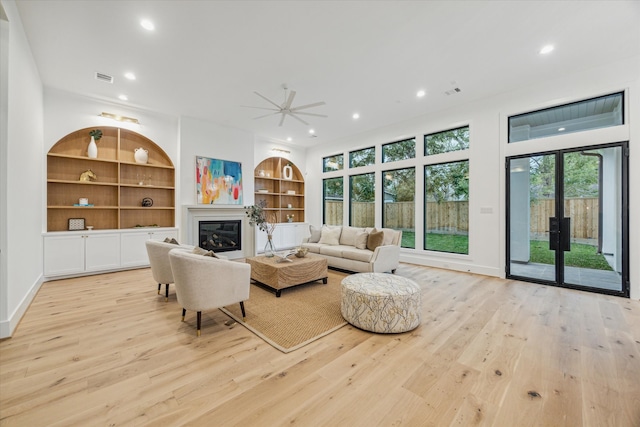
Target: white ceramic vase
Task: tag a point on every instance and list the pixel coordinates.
(141, 155)
(92, 149)
(287, 171)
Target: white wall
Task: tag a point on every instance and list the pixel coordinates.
(488, 150)
(208, 139)
(23, 167)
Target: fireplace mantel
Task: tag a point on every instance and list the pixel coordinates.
(192, 214)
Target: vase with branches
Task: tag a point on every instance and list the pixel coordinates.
(265, 221)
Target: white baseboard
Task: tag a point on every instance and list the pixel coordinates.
(7, 327)
(449, 264)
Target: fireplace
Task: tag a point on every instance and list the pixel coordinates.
(221, 235)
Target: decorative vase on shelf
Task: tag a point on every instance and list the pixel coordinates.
(92, 149)
(269, 249)
(287, 172)
(141, 155)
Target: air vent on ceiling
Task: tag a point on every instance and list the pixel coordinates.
(453, 91)
(104, 77)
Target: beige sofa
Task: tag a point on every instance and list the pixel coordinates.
(355, 248)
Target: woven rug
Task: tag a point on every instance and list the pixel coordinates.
(301, 315)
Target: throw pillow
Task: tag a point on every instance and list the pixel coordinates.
(199, 251)
(315, 234)
(171, 240)
(389, 235)
(330, 236)
(348, 235)
(375, 239)
(361, 240)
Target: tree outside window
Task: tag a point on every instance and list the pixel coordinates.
(398, 207)
(400, 150)
(364, 157)
(333, 163)
(447, 207)
(362, 200)
(444, 142)
(333, 199)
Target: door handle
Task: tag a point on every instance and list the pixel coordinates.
(559, 234)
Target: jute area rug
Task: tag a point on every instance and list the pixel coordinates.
(301, 315)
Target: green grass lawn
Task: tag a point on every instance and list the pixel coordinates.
(581, 255)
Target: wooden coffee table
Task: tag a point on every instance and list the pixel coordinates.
(280, 275)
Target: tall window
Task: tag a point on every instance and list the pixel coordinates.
(364, 157)
(362, 198)
(400, 150)
(333, 199)
(333, 163)
(447, 207)
(593, 113)
(444, 142)
(398, 207)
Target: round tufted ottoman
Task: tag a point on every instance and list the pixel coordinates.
(380, 302)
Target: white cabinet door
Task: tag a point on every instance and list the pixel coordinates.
(63, 255)
(134, 250)
(102, 252)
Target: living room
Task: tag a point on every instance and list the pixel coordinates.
(35, 115)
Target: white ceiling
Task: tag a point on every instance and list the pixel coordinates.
(206, 58)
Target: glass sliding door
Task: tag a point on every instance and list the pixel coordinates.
(567, 218)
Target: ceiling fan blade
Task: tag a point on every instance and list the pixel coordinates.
(268, 100)
(260, 108)
(266, 115)
(282, 119)
(287, 105)
(310, 114)
(299, 119)
(303, 107)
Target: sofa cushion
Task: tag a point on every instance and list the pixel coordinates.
(315, 234)
(361, 240)
(355, 254)
(330, 236)
(348, 235)
(312, 247)
(335, 251)
(171, 240)
(375, 239)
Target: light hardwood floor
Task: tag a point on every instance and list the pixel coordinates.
(106, 350)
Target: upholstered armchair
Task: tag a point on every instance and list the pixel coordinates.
(204, 283)
(158, 252)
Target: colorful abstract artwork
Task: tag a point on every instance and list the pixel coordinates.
(218, 182)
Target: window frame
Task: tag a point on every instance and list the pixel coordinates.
(426, 135)
(382, 150)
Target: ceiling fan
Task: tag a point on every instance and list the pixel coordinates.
(286, 109)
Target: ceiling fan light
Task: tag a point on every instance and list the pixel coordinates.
(546, 49)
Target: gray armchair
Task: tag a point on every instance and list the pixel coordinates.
(204, 283)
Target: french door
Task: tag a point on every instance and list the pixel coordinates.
(567, 218)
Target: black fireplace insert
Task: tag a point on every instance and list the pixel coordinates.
(220, 236)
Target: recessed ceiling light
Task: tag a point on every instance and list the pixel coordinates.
(130, 76)
(147, 25)
(421, 93)
(546, 49)
(289, 139)
(560, 129)
(123, 97)
(356, 116)
(311, 131)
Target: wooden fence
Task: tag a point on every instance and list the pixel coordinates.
(454, 216)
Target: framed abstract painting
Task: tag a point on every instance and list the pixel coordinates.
(218, 182)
